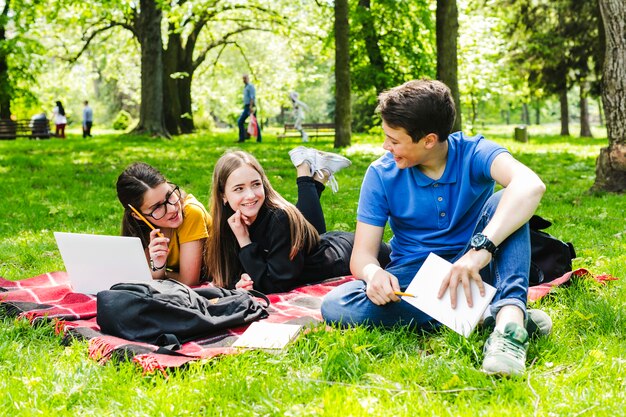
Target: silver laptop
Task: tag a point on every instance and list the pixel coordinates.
(96, 262)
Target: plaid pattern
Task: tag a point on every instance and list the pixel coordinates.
(50, 297)
(538, 291)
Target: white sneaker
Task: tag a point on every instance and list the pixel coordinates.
(302, 154)
(331, 163)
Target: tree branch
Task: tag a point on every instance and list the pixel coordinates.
(89, 37)
(224, 40)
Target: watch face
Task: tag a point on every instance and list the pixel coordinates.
(478, 240)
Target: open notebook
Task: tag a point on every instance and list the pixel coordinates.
(425, 287)
(264, 335)
(96, 262)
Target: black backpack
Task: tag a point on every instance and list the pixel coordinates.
(550, 257)
(169, 313)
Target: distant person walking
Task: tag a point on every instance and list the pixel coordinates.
(249, 102)
(87, 120)
(60, 121)
(298, 114)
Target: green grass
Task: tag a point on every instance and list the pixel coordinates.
(70, 186)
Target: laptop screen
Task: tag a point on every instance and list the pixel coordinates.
(96, 262)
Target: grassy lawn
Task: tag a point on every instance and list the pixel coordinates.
(69, 185)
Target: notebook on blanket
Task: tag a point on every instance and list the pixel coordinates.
(96, 262)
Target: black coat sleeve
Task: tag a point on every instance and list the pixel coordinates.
(266, 259)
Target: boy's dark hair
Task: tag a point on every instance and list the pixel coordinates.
(420, 107)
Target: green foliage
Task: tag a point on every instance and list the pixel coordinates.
(69, 185)
(554, 42)
(391, 42)
(122, 120)
(20, 54)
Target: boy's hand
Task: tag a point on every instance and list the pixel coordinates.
(463, 271)
(381, 287)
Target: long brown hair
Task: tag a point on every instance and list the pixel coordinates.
(222, 246)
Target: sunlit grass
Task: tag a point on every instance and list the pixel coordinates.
(70, 186)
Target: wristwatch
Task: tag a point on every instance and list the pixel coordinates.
(154, 268)
(480, 241)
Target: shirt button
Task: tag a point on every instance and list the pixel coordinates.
(435, 185)
(443, 214)
(439, 198)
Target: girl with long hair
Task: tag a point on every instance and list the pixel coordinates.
(179, 217)
(259, 240)
(60, 120)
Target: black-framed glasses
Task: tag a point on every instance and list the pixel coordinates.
(172, 198)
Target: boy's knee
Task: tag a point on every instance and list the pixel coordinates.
(330, 307)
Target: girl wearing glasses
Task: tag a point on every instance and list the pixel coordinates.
(179, 217)
(259, 240)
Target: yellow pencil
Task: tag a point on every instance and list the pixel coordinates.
(405, 294)
(144, 219)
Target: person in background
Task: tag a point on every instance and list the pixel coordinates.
(87, 120)
(249, 107)
(60, 121)
(298, 113)
(40, 126)
(175, 249)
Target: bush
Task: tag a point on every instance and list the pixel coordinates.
(122, 120)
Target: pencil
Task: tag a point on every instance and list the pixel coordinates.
(144, 219)
(405, 294)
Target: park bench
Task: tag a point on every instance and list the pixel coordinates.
(11, 129)
(312, 129)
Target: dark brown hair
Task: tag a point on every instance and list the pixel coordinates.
(420, 107)
(132, 184)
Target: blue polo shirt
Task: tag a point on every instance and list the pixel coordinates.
(427, 215)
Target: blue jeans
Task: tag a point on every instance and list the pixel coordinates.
(241, 122)
(349, 305)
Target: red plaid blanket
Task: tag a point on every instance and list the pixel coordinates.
(50, 297)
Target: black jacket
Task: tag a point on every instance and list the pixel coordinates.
(267, 261)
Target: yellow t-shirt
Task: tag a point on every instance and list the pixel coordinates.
(196, 225)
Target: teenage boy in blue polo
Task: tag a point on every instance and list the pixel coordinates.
(436, 191)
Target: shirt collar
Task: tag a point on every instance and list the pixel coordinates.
(449, 174)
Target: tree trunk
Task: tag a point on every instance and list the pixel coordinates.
(5, 85)
(611, 164)
(343, 111)
(184, 97)
(564, 112)
(537, 113)
(178, 61)
(447, 35)
(171, 102)
(600, 111)
(474, 111)
(585, 127)
(372, 46)
(148, 27)
(525, 114)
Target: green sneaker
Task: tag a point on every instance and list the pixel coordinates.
(537, 323)
(505, 354)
